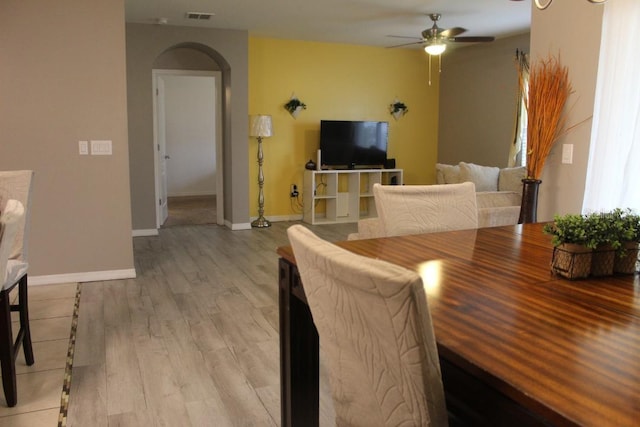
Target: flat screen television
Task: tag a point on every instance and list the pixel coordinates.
(350, 144)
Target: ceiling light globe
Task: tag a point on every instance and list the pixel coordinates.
(435, 49)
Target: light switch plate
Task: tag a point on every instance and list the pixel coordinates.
(83, 147)
(101, 147)
(567, 154)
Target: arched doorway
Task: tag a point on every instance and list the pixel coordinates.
(187, 111)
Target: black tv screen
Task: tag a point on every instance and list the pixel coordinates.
(353, 143)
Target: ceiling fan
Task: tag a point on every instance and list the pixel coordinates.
(435, 38)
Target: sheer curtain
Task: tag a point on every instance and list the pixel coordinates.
(518, 147)
(613, 177)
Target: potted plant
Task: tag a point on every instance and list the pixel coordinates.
(548, 90)
(604, 228)
(627, 227)
(573, 245)
(294, 106)
(398, 109)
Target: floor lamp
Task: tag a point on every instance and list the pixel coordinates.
(261, 127)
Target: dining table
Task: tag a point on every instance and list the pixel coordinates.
(518, 345)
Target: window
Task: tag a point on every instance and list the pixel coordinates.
(518, 149)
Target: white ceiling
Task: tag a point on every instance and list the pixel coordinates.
(362, 22)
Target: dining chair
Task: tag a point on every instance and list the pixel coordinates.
(414, 209)
(15, 186)
(375, 329)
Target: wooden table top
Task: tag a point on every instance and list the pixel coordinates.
(568, 349)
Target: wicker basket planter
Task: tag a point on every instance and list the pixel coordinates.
(602, 260)
(626, 261)
(571, 260)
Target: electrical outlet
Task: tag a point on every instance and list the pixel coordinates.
(294, 191)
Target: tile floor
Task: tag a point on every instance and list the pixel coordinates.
(40, 386)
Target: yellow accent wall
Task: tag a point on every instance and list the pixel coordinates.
(337, 82)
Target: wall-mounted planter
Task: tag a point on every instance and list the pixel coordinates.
(398, 109)
(294, 106)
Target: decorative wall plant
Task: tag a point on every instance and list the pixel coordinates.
(294, 106)
(398, 109)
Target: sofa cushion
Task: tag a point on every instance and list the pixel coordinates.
(447, 174)
(494, 217)
(484, 177)
(496, 199)
(510, 179)
(368, 228)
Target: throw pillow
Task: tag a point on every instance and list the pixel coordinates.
(510, 179)
(484, 177)
(447, 174)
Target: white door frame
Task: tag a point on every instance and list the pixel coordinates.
(217, 75)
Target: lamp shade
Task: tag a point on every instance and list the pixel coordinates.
(435, 48)
(261, 126)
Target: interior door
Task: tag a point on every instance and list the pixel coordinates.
(161, 153)
(162, 85)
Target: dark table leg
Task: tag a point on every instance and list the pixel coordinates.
(299, 353)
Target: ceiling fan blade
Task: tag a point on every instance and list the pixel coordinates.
(405, 44)
(472, 39)
(404, 37)
(452, 32)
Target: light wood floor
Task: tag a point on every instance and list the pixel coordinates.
(191, 210)
(193, 340)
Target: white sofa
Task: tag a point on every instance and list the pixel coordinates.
(498, 191)
(498, 195)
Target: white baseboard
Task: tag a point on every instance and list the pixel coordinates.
(192, 193)
(89, 276)
(239, 226)
(143, 233)
(279, 218)
(229, 224)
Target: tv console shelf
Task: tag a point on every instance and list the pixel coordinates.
(335, 196)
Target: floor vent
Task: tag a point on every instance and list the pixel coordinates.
(200, 16)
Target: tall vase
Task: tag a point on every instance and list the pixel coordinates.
(529, 205)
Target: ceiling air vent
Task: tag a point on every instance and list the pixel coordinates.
(199, 16)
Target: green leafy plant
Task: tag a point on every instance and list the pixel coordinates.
(571, 228)
(604, 228)
(626, 225)
(398, 107)
(293, 104)
(599, 228)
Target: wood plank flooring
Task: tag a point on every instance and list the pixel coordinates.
(193, 340)
(191, 210)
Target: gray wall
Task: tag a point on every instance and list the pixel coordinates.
(229, 49)
(62, 79)
(478, 88)
(572, 29)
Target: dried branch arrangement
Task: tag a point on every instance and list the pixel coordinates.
(549, 88)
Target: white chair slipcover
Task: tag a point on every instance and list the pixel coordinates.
(414, 209)
(375, 329)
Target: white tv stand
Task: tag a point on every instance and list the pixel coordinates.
(335, 196)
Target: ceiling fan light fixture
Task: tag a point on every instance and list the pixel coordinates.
(435, 48)
(543, 4)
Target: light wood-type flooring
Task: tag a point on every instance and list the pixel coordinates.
(191, 210)
(193, 340)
